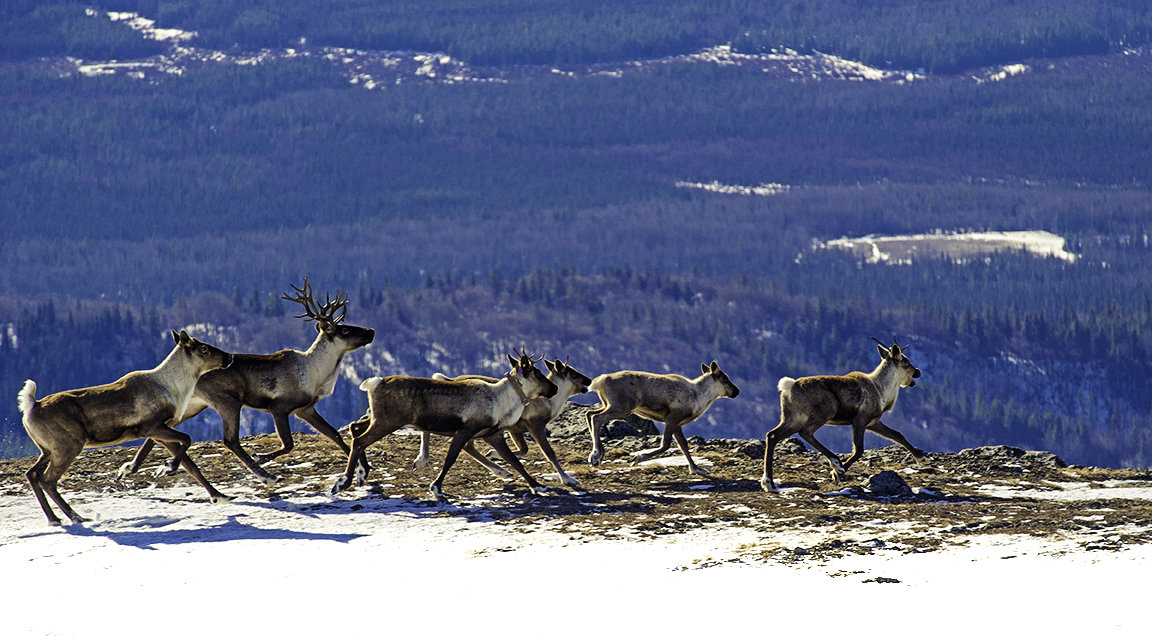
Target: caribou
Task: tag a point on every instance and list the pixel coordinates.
(672, 399)
(141, 404)
(534, 421)
(857, 399)
(283, 384)
(460, 409)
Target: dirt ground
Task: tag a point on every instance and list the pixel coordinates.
(991, 490)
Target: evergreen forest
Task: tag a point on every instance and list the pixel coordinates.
(567, 194)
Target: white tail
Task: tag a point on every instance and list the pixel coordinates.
(369, 384)
(27, 398)
(785, 385)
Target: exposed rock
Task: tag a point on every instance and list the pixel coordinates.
(1042, 459)
(1010, 455)
(888, 484)
(573, 422)
(893, 453)
(991, 454)
(790, 446)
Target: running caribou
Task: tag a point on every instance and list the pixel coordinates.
(141, 404)
(857, 399)
(672, 399)
(534, 421)
(460, 409)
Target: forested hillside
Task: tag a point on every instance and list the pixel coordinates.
(514, 173)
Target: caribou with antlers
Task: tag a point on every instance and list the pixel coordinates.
(460, 409)
(140, 404)
(285, 383)
(857, 399)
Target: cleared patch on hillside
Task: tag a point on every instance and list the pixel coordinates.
(960, 246)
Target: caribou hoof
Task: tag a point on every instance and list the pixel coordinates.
(568, 480)
(221, 499)
(125, 469)
(268, 479)
(166, 469)
(437, 495)
(339, 485)
(595, 457)
(361, 474)
(420, 463)
(700, 471)
(768, 486)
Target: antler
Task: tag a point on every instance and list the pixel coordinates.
(319, 314)
(525, 354)
(330, 307)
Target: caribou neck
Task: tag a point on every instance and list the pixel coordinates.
(887, 383)
(177, 377)
(707, 387)
(509, 400)
(320, 363)
(517, 387)
(175, 374)
(565, 389)
(325, 351)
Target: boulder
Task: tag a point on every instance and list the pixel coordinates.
(888, 484)
(573, 422)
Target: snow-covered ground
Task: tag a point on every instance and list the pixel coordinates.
(377, 69)
(164, 560)
(959, 245)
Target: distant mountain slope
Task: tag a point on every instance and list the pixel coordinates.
(942, 37)
(575, 174)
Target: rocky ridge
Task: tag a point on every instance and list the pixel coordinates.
(885, 503)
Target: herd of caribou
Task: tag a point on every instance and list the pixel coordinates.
(195, 375)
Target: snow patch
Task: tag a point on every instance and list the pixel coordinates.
(764, 189)
(961, 247)
(1003, 73)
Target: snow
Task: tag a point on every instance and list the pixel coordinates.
(1001, 73)
(1073, 491)
(764, 189)
(960, 245)
(145, 26)
(165, 558)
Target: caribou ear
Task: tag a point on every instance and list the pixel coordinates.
(551, 367)
(884, 353)
(703, 368)
(513, 361)
(715, 367)
(175, 337)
